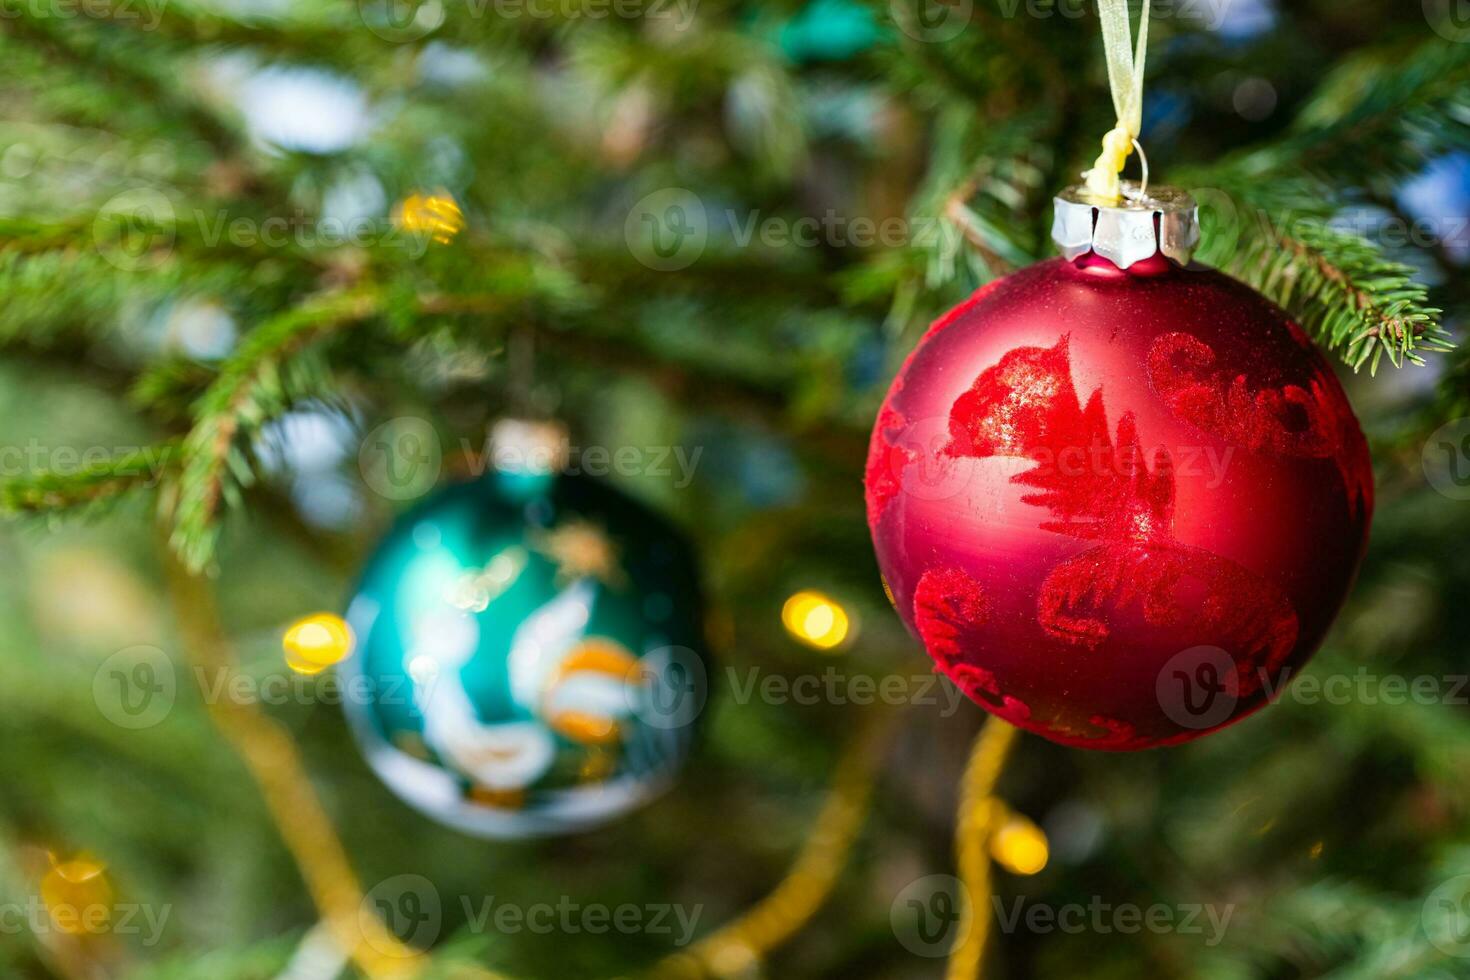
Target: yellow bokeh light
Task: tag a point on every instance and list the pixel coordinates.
(316, 642)
(1019, 846)
(77, 895)
(437, 215)
(816, 620)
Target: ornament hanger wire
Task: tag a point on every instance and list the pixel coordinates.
(1142, 193)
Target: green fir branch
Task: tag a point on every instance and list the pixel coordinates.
(1380, 115)
(262, 378)
(1339, 287)
(89, 486)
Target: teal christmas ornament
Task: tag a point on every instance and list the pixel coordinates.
(530, 655)
(829, 30)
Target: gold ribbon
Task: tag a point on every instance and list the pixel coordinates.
(979, 815)
(1125, 78)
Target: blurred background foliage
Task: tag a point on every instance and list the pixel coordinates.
(145, 304)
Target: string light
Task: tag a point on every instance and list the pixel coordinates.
(316, 642)
(1019, 846)
(77, 895)
(816, 620)
(437, 215)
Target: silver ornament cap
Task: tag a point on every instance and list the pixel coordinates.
(529, 446)
(1145, 221)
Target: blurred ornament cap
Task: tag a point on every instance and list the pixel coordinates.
(529, 446)
(1165, 219)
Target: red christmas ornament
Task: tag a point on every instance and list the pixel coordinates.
(1118, 501)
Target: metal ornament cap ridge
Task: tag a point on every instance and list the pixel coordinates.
(1165, 219)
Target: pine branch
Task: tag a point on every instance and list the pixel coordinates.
(1338, 286)
(85, 51)
(91, 485)
(1380, 115)
(257, 382)
(67, 293)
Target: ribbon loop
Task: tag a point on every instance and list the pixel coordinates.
(1125, 78)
